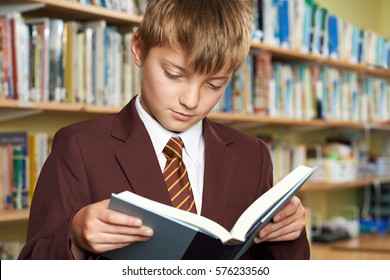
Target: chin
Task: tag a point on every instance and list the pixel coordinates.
(176, 129)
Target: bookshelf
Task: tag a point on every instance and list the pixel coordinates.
(364, 247)
(19, 115)
(42, 107)
(69, 10)
(14, 215)
(22, 215)
(291, 55)
(58, 107)
(344, 185)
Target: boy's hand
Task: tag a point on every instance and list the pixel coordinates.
(97, 229)
(287, 224)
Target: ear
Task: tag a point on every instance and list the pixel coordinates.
(136, 50)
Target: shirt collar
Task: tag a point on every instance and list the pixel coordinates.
(192, 137)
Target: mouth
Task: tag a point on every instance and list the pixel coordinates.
(182, 116)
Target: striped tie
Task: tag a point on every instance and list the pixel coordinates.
(176, 177)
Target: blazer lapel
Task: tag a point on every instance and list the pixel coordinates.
(140, 165)
(218, 176)
(137, 158)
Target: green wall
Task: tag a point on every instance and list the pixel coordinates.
(368, 14)
(385, 18)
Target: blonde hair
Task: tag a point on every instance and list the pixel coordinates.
(213, 34)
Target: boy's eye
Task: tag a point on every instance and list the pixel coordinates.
(215, 87)
(172, 75)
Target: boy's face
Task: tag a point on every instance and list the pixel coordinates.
(174, 95)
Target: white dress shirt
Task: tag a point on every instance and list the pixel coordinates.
(193, 152)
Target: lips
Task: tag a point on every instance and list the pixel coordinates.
(182, 116)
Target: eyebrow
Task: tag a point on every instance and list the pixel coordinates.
(174, 65)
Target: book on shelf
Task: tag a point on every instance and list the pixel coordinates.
(14, 157)
(183, 235)
(56, 74)
(284, 25)
(69, 57)
(308, 27)
(99, 60)
(333, 37)
(22, 155)
(39, 29)
(6, 86)
(262, 76)
(132, 7)
(242, 88)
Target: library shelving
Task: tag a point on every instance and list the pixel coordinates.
(23, 214)
(18, 115)
(71, 10)
(41, 107)
(292, 55)
(52, 106)
(14, 215)
(364, 247)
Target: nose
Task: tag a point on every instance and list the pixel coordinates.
(190, 97)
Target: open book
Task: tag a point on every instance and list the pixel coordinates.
(183, 235)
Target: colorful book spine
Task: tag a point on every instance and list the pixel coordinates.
(262, 75)
(284, 22)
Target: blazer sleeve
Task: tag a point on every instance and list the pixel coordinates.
(297, 249)
(61, 190)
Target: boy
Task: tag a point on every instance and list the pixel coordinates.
(187, 51)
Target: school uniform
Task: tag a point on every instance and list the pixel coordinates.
(92, 159)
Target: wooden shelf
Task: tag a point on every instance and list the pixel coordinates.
(230, 118)
(316, 186)
(50, 106)
(292, 55)
(14, 215)
(57, 107)
(68, 10)
(363, 247)
(22, 108)
(100, 109)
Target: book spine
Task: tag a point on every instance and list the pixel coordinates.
(14, 56)
(284, 24)
(21, 159)
(56, 62)
(6, 157)
(18, 178)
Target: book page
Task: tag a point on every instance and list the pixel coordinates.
(198, 221)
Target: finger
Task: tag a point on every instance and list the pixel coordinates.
(289, 209)
(116, 218)
(115, 237)
(287, 237)
(298, 219)
(98, 231)
(127, 231)
(114, 243)
(281, 231)
(100, 211)
(121, 238)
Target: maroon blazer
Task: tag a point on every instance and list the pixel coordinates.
(92, 159)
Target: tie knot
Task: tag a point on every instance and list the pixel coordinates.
(173, 149)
